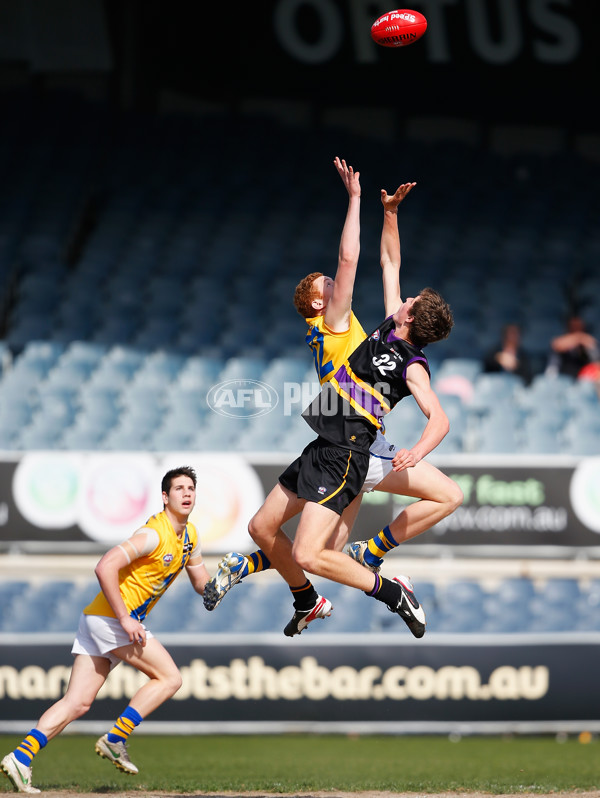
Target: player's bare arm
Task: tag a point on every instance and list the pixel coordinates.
(390, 253)
(437, 425)
(107, 572)
(339, 308)
(198, 575)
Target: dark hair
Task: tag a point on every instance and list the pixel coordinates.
(432, 318)
(305, 293)
(182, 471)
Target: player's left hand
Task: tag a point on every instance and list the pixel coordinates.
(403, 459)
(390, 203)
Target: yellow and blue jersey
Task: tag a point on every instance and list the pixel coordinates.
(144, 580)
(331, 349)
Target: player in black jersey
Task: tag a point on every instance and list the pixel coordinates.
(339, 335)
(389, 365)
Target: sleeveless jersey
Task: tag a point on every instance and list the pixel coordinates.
(330, 349)
(144, 580)
(351, 406)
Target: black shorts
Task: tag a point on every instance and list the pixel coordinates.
(327, 475)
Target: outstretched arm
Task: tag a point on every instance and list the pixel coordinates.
(337, 313)
(390, 247)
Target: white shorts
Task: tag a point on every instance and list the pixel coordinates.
(380, 462)
(98, 636)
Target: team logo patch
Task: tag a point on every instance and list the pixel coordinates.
(375, 336)
(322, 490)
(168, 559)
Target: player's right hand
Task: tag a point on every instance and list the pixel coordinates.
(135, 630)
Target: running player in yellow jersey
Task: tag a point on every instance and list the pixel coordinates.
(334, 332)
(133, 576)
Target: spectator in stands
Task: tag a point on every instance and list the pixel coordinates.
(132, 577)
(510, 356)
(573, 350)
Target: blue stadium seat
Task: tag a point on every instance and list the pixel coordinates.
(513, 619)
(35, 607)
(243, 368)
(539, 439)
(493, 388)
(297, 435)
(560, 591)
(496, 435)
(554, 619)
(11, 591)
(199, 372)
(41, 355)
(128, 436)
(259, 439)
(515, 590)
(406, 421)
(84, 437)
(170, 438)
(39, 435)
(581, 442)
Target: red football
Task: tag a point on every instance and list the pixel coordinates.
(398, 28)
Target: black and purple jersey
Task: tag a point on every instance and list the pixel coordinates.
(351, 406)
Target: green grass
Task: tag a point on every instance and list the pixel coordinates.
(290, 763)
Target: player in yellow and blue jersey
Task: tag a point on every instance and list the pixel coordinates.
(333, 333)
(132, 576)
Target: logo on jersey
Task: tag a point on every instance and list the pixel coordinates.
(375, 336)
(167, 559)
(322, 490)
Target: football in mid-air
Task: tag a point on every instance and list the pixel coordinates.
(398, 28)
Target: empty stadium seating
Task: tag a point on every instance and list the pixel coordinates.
(263, 603)
(183, 275)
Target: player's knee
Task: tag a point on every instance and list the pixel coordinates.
(80, 708)
(173, 682)
(255, 530)
(304, 559)
(455, 497)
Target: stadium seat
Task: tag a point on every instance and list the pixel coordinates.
(128, 436)
(171, 438)
(560, 591)
(539, 439)
(243, 368)
(581, 442)
(405, 420)
(297, 435)
(83, 437)
(554, 619)
(199, 372)
(39, 435)
(515, 590)
(495, 435)
(514, 619)
(35, 607)
(11, 591)
(492, 388)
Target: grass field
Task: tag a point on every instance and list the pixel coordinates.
(290, 763)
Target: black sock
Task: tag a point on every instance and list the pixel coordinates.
(385, 590)
(305, 596)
